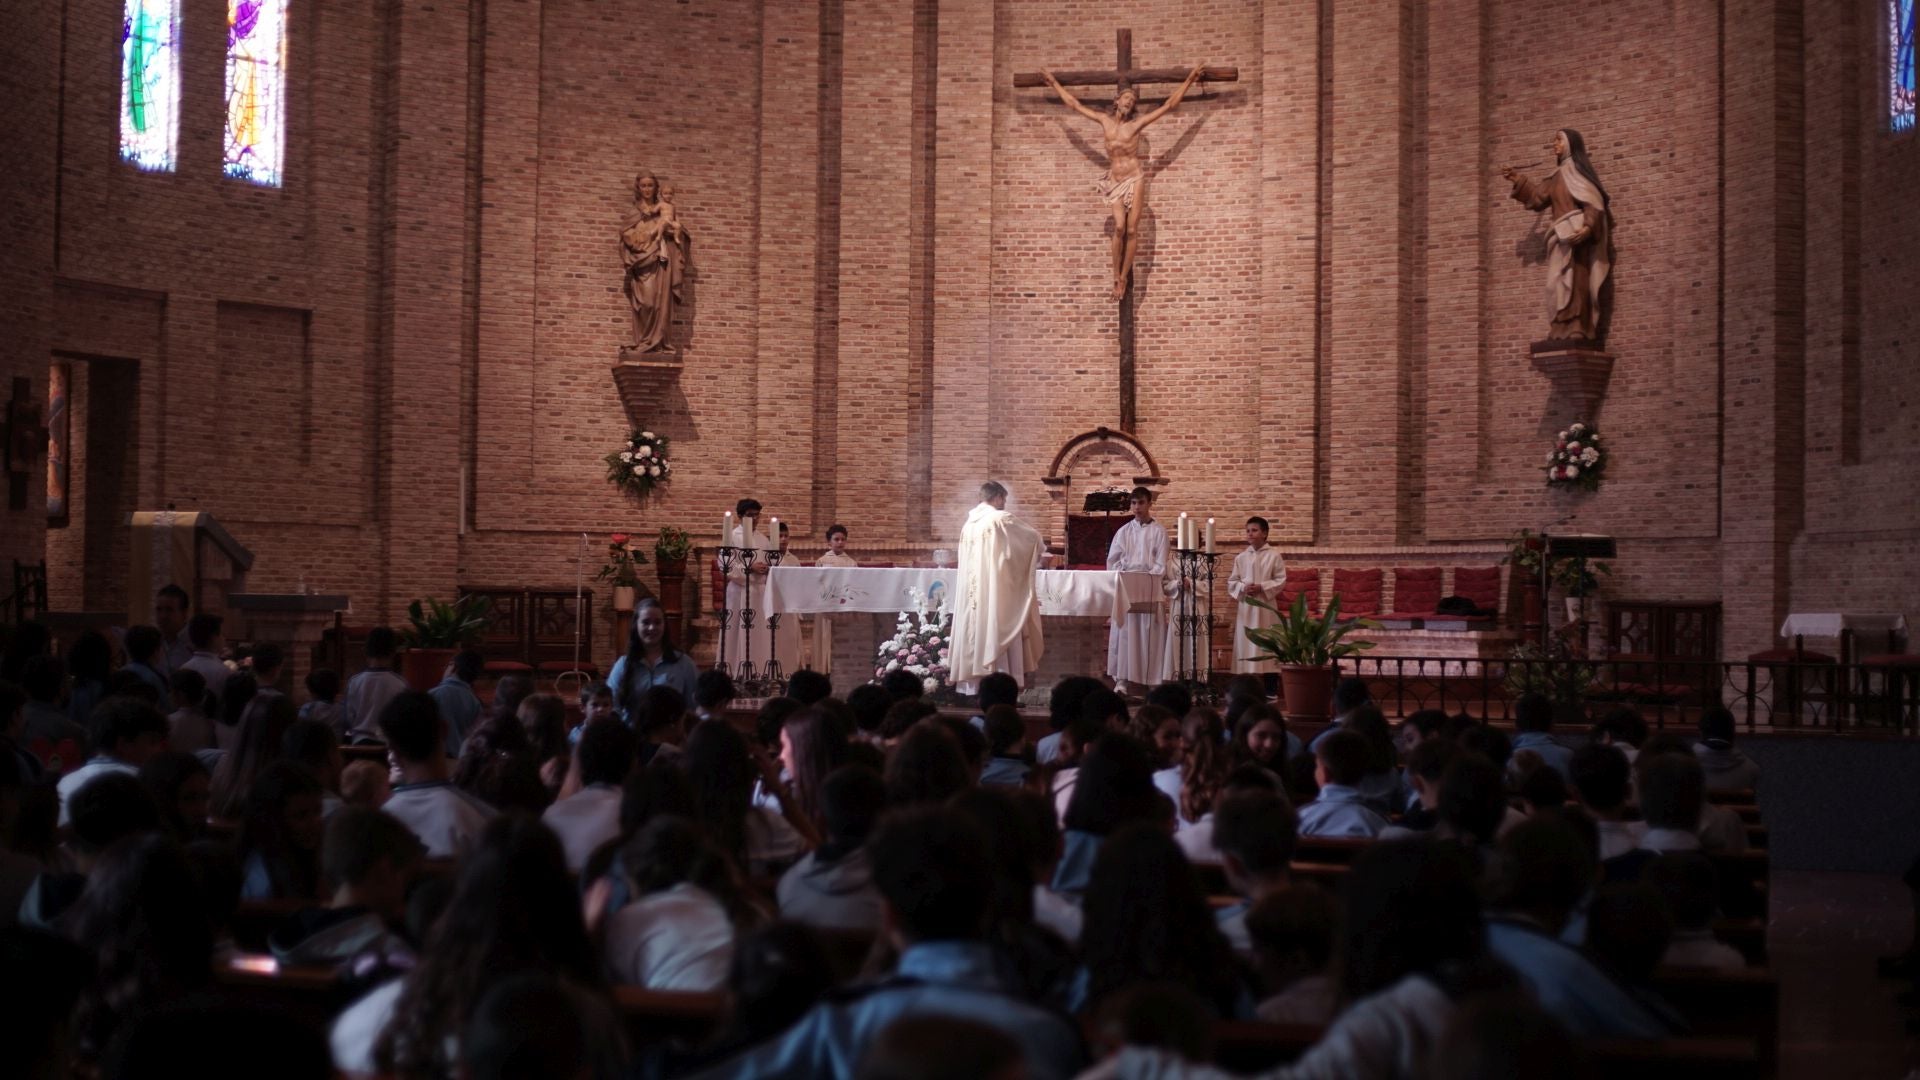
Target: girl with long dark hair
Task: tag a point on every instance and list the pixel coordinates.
(650, 660)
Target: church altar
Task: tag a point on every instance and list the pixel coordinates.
(1079, 606)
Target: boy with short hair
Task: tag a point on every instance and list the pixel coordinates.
(836, 555)
(1600, 778)
(1255, 833)
(713, 691)
(596, 701)
(125, 733)
(1292, 932)
(459, 705)
(1259, 573)
(204, 631)
(369, 692)
(313, 744)
(831, 887)
(590, 817)
(1007, 739)
(147, 656)
(1533, 725)
(369, 859)
(1691, 888)
(1727, 769)
(188, 724)
(1349, 695)
(323, 692)
(1341, 759)
(446, 819)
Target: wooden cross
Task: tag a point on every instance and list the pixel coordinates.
(1124, 76)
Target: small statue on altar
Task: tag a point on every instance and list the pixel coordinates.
(653, 249)
(1579, 244)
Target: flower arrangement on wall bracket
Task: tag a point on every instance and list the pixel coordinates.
(640, 466)
(1577, 459)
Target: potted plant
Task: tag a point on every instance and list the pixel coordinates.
(670, 553)
(1306, 646)
(1579, 579)
(1553, 672)
(624, 560)
(439, 630)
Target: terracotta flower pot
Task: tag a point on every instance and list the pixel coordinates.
(1306, 691)
(671, 569)
(424, 668)
(623, 598)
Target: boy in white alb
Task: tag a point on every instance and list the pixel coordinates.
(1137, 649)
(746, 587)
(1257, 572)
(836, 555)
(786, 636)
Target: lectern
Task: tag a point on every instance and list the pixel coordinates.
(1579, 547)
(184, 548)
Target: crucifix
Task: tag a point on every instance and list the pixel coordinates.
(1124, 187)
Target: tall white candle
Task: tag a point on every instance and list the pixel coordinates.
(1210, 536)
(773, 535)
(726, 529)
(1180, 533)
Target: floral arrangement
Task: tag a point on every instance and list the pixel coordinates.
(641, 466)
(673, 544)
(624, 559)
(1576, 460)
(919, 645)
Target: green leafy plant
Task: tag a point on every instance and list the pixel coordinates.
(440, 625)
(1301, 638)
(1525, 549)
(1577, 576)
(674, 544)
(1533, 669)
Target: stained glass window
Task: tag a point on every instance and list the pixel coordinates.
(1900, 66)
(256, 90)
(150, 83)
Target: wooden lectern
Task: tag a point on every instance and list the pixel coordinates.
(184, 548)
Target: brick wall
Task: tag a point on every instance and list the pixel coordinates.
(391, 377)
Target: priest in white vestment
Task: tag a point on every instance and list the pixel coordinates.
(1257, 572)
(747, 583)
(1137, 649)
(836, 555)
(996, 617)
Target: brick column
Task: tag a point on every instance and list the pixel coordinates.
(1763, 255)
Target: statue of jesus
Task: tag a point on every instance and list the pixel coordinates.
(1124, 187)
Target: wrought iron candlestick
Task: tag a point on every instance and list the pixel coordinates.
(729, 557)
(774, 679)
(1194, 622)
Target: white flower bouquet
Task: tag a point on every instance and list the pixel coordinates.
(641, 465)
(1576, 459)
(919, 646)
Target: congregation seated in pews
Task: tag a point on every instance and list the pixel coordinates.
(877, 887)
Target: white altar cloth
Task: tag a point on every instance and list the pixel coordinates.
(1108, 594)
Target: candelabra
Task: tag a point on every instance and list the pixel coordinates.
(1193, 622)
(749, 680)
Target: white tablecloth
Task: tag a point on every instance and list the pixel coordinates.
(1829, 624)
(1107, 594)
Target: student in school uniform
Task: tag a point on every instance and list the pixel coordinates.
(1348, 695)
(1007, 741)
(832, 886)
(1688, 883)
(204, 631)
(590, 817)
(1533, 725)
(675, 932)
(459, 705)
(1293, 931)
(446, 819)
(1727, 769)
(125, 733)
(1545, 872)
(936, 880)
(1600, 776)
(1255, 833)
(1114, 788)
(368, 861)
(367, 693)
(1340, 810)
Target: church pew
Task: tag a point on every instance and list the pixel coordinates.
(1243, 1046)
(1727, 1004)
(1329, 876)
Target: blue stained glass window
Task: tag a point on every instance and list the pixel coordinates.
(1900, 64)
(150, 83)
(256, 90)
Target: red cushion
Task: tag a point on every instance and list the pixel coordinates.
(1900, 660)
(1358, 590)
(1480, 584)
(1788, 656)
(1416, 590)
(1298, 583)
(718, 582)
(508, 667)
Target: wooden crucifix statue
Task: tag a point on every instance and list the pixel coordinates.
(1124, 187)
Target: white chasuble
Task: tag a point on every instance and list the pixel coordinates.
(996, 617)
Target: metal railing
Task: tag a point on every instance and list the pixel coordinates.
(1784, 696)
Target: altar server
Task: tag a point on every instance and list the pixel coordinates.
(747, 587)
(1257, 572)
(1137, 649)
(836, 555)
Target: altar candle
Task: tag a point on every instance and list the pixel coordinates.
(1210, 536)
(1180, 533)
(726, 529)
(1193, 534)
(773, 535)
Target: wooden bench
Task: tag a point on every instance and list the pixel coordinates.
(1250, 1046)
(1728, 1004)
